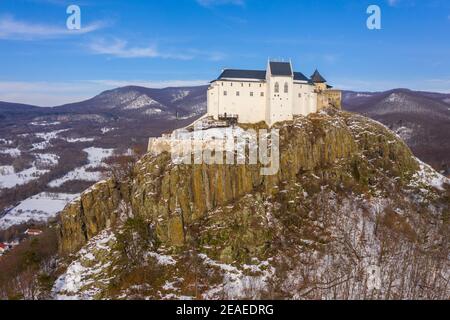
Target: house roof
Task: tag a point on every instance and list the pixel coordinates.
(276, 68)
(317, 77)
(300, 77)
(281, 69)
(243, 74)
(33, 231)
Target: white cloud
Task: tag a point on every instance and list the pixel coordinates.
(13, 29)
(392, 3)
(121, 49)
(150, 84)
(48, 94)
(213, 3)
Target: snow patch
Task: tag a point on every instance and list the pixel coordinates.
(47, 136)
(38, 208)
(83, 277)
(13, 152)
(141, 102)
(96, 156)
(428, 176)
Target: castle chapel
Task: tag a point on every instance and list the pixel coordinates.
(272, 95)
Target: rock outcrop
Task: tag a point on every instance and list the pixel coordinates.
(340, 147)
(351, 214)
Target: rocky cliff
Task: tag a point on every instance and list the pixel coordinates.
(349, 196)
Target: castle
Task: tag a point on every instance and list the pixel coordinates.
(272, 95)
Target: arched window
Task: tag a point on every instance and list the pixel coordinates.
(277, 87)
(286, 87)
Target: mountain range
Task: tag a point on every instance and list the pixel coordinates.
(422, 119)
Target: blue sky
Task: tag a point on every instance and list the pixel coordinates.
(188, 42)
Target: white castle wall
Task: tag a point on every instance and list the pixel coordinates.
(257, 101)
(244, 98)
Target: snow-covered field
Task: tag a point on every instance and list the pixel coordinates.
(72, 140)
(13, 152)
(45, 123)
(47, 136)
(37, 208)
(5, 141)
(106, 130)
(141, 102)
(9, 178)
(96, 156)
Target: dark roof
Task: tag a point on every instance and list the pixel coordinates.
(243, 74)
(300, 77)
(317, 77)
(277, 69)
(280, 69)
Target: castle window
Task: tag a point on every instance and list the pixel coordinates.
(251, 94)
(299, 95)
(277, 87)
(237, 93)
(231, 84)
(242, 84)
(262, 94)
(225, 93)
(286, 87)
(260, 85)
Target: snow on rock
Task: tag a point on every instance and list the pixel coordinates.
(87, 275)
(237, 283)
(404, 133)
(427, 176)
(164, 260)
(96, 156)
(38, 208)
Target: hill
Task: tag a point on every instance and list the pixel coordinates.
(351, 214)
(422, 119)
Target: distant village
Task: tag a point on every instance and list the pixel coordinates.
(5, 247)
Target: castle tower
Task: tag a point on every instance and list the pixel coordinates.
(325, 95)
(319, 82)
(279, 77)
